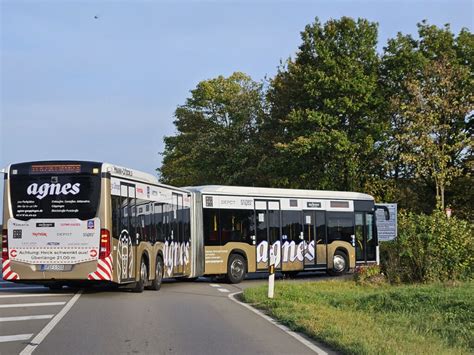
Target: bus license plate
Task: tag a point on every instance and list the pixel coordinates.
(49, 267)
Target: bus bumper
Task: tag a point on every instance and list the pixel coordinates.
(32, 272)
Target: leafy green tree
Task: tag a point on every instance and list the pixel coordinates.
(324, 125)
(437, 105)
(428, 85)
(217, 134)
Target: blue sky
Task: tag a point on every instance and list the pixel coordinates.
(76, 87)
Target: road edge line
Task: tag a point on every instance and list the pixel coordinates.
(301, 338)
(49, 327)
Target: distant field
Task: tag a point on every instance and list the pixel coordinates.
(354, 319)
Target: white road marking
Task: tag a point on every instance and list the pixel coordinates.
(302, 339)
(223, 290)
(6, 282)
(42, 304)
(14, 319)
(42, 335)
(36, 295)
(214, 285)
(22, 288)
(5, 338)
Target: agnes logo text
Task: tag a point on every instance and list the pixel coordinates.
(46, 189)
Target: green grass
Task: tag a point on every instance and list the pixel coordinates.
(356, 319)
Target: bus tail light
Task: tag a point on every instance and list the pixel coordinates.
(4, 244)
(104, 244)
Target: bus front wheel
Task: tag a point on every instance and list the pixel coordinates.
(340, 264)
(235, 269)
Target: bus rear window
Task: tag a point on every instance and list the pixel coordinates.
(63, 195)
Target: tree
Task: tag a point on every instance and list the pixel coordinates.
(433, 130)
(217, 134)
(324, 124)
(429, 87)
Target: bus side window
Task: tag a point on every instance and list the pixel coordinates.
(291, 226)
(211, 226)
(340, 226)
(236, 225)
(132, 211)
(226, 225)
(244, 227)
(158, 222)
(187, 221)
(115, 216)
(124, 215)
(320, 228)
(140, 220)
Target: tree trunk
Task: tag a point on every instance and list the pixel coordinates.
(441, 188)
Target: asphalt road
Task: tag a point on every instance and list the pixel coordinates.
(182, 318)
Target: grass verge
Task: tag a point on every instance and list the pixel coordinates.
(365, 319)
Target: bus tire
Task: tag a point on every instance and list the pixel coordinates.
(156, 282)
(235, 269)
(143, 278)
(340, 263)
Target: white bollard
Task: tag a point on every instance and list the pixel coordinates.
(271, 275)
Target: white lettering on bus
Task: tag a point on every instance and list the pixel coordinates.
(175, 254)
(286, 252)
(46, 189)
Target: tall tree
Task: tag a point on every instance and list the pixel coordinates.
(324, 122)
(428, 83)
(217, 134)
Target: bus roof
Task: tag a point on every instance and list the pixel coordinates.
(120, 171)
(274, 192)
(113, 169)
(136, 175)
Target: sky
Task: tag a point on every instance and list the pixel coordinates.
(100, 80)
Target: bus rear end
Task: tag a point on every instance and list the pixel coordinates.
(52, 228)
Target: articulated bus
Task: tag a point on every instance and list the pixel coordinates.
(79, 222)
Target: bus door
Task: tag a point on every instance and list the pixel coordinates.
(292, 241)
(126, 252)
(365, 241)
(178, 235)
(314, 233)
(268, 231)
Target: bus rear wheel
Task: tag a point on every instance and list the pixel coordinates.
(235, 269)
(340, 264)
(143, 278)
(156, 283)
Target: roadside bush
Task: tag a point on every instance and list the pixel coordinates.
(429, 248)
(366, 275)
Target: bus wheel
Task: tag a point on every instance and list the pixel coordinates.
(140, 285)
(156, 283)
(235, 269)
(340, 264)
